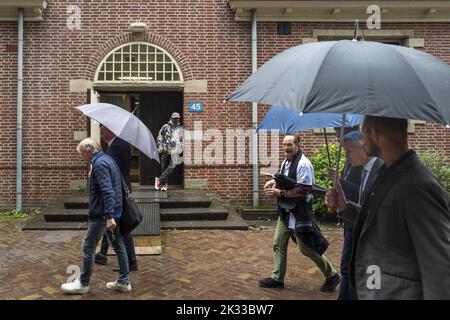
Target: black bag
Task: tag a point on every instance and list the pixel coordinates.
(286, 183)
(131, 215)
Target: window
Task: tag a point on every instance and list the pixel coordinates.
(284, 28)
(138, 62)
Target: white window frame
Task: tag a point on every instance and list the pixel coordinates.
(151, 50)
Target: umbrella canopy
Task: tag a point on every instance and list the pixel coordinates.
(124, 125)
(358, 77)
(289, 121)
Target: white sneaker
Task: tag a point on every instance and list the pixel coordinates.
(118, 286)
(74, 287)
(156, 183)
(164, 187)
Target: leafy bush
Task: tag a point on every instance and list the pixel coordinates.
(439, 165)
(17, 214)
(320, 164)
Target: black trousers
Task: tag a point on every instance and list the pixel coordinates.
(345, 290)
(129, 247)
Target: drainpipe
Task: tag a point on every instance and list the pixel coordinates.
(19, 111)
(254, 117)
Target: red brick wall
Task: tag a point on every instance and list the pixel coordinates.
(8, 96)
(207, 44)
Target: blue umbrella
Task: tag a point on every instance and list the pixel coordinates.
(290, 121)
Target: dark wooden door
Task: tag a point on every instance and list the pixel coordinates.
(155, 109)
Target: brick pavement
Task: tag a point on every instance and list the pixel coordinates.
(194, 265)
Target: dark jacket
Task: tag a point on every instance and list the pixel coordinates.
(373, 175)
(350, 181)
(403, 228)
(120, 150)
(306, 228)
(105, 196)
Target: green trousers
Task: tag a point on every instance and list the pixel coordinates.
(280, 245)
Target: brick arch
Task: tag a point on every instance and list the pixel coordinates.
(151, 38)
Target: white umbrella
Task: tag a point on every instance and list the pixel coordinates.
(124, 125)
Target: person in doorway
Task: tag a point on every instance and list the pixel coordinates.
(170, 148)
(105, 210)
(120, 151)
(297, 219)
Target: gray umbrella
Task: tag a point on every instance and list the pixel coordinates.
(123, 124)
(360, 77)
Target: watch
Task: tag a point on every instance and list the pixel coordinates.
(282, 193)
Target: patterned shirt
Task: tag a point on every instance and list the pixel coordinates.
(170, 138)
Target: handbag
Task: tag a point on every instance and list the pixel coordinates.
(131, 215)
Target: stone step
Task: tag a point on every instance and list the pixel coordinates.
(76, 219)
(39, 223)
(192, 203)
(65, 215)
(185, 200)
(233, 222)
(77, 203)
(183, 214)
(259, 215)
(178, 200)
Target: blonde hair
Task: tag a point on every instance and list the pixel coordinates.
(87, 145)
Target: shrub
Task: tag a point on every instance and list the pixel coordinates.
(17, 214)
(439, 165)
(320, 163)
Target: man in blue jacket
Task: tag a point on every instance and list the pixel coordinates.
(105, 208)
(121, 152)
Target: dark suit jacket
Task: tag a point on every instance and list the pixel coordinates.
(120, 150)
(350, 181)
(403, 228)
(373, 175)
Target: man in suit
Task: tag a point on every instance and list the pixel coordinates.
(401, 233)
(120, 151)
(351, 175)
(356, 156)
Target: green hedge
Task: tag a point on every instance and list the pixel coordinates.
(439, 165)
(320, 164)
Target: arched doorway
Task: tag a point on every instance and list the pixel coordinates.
(145, 79)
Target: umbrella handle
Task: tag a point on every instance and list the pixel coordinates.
(331, 210)
(339, 152)
(355, 31)
(326, 145)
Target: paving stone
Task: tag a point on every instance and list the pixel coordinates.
(194, 264)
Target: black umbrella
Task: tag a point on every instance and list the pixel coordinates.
(359, 77)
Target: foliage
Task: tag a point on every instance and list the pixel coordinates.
(19, 214)
(439, 165)
(321, 165)
(259, 229)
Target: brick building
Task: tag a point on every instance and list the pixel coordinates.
(158, 57)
